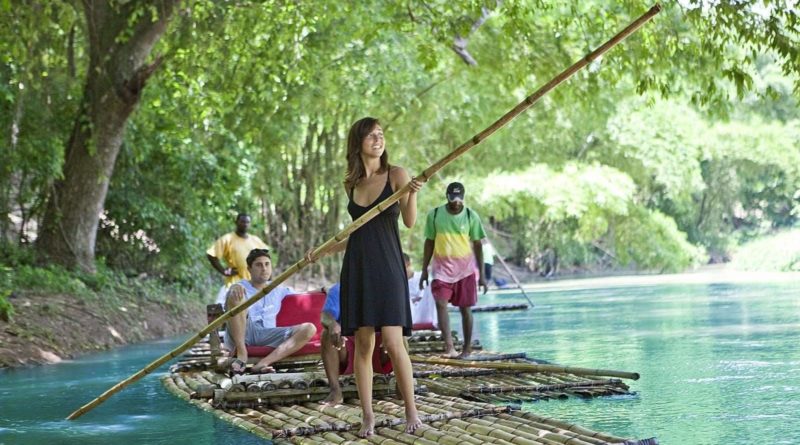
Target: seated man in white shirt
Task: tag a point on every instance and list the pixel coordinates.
(256, 326)
(423, 307)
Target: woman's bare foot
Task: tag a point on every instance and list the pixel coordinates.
(412, 420)
(367, 426)
(334, 398)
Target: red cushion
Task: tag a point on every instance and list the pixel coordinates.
(299, 308)
(423, 326)
(302, 308)
(312, 347)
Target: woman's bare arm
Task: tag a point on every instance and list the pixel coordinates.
(408, 203)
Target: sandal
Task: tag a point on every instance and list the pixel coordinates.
(237, 367)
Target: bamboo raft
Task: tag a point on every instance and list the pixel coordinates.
(458, 404)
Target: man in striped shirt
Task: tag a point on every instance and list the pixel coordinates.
(453, 235)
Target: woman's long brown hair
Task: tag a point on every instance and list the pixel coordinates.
(355, 140)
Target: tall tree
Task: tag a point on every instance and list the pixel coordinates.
(121, 36)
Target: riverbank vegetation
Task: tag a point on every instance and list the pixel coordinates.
(50, 313)
(779, 252)
(133, 132)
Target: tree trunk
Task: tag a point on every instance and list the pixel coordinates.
(118, 70)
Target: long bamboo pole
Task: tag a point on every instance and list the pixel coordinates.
(327, 246)
(525, 367)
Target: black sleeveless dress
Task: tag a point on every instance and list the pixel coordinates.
(374, 286)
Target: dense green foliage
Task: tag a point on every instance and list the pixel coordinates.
(673, 147)
(6, 308)
(106, 286)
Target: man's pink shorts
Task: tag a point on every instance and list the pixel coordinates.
(462, 293)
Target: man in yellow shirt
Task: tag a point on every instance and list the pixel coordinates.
(233, 248)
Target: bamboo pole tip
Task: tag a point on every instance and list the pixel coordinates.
(657, 8)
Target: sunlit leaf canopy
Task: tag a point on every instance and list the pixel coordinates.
(661, 155)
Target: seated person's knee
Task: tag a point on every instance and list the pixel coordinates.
(308, 329)
(326, 336)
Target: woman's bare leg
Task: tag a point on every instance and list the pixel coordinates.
(365, 343)
(394, 345)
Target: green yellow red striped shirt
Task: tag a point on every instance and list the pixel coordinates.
(452, 235)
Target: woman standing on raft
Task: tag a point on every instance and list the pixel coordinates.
(374, 289)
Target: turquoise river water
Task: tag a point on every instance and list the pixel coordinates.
(720, 364)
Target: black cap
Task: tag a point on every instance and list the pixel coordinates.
(455, 191)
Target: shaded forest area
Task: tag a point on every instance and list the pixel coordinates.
(134, 131)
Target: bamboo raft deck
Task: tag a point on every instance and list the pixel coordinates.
(457, 405)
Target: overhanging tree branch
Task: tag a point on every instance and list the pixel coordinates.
(460, 42)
